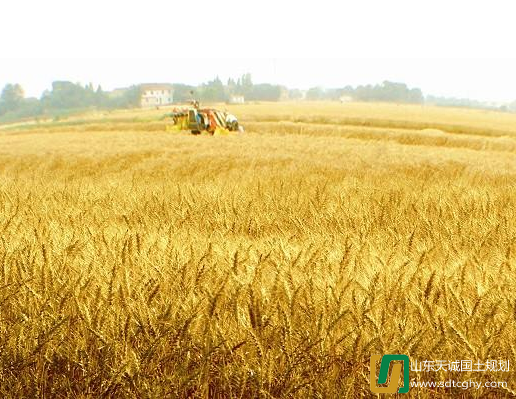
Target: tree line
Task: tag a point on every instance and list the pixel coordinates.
(64, 96)
(67, 96)
(384, 92)
(217, 91)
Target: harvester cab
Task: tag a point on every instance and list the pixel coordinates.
(195, 121)
(212, 121)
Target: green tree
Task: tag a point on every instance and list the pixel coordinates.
(11, 98)
(265, 92)
(129, 99)
(416, 96)
(388, 92)
(245, 85)
(101, 98)
(295, 94)
(213, 91)
(183, 93)
(315, 93)
(65, 95)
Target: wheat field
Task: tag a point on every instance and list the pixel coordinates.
(138, 262)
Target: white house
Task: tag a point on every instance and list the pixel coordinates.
(154, 95)
(235, 99)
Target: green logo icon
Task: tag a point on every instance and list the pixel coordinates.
(392, 387)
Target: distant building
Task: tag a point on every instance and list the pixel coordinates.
(154, 95)
(236, 99)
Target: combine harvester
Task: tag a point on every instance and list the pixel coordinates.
(199, 120)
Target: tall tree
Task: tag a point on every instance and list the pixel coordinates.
(11, 98)
(213, 91)
(315, 93)
(247, 85)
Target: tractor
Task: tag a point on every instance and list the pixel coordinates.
(209, 120)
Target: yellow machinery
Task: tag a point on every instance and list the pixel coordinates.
(199, 120)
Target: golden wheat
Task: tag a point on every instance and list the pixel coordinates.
(141, 263)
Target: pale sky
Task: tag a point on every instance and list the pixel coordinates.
(459, 48)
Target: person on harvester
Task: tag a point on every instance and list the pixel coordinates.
(231, 122)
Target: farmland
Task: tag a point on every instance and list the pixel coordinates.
(140, 262)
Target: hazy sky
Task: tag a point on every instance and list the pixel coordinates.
(459, 48)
